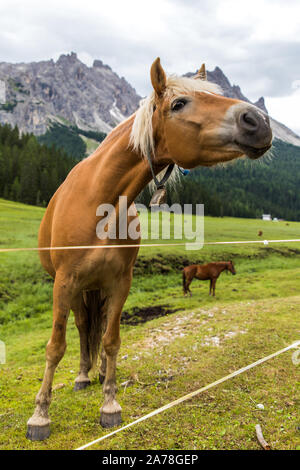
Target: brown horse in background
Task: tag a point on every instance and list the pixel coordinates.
(184, 121)
(205, 272)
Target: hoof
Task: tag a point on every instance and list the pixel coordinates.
(38, 433)
(109, 420)
(101, 378)
(81, 385)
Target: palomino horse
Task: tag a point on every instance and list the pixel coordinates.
(185, 121)
(205, 272)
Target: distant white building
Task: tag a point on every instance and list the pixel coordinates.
(266, 217)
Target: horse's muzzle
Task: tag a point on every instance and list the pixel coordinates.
(254, 134)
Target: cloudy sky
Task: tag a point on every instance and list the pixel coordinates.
(255, 43)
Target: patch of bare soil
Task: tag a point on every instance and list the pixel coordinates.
(141, 315)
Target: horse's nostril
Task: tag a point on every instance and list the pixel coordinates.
(249, 121)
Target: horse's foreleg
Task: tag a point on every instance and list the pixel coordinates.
(111, 410)
(210, 286)
(38, 426)
(81, 320)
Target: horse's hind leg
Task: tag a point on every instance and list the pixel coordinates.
(38, 426)
(81, 320)
(102, 372)
(187, 285)
(103, 365)
(184, 283)
(111, 411)
(214, 286)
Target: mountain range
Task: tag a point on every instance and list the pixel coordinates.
(35, 95)
(66, 91)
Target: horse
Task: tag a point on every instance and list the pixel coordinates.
(203, 272)
(184, 121)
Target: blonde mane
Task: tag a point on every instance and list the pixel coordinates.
(141, 137)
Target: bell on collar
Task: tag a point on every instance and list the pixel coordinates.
(159, 197)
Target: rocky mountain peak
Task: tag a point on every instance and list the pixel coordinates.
(217, 76)
(68, 91)
(260, 103)
(67, 59)
(93, 98)
(99, 64)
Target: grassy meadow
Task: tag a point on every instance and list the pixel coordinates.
(254, 314)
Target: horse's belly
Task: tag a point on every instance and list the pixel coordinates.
(103, 266)
(44, 241)
(202, 277)
(73, 223)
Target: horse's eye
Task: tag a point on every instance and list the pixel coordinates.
(178, 104)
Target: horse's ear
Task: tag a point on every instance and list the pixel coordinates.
(201, 74)
(158, 77)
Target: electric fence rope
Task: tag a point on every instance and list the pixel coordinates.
(296, 344)
(145, 245)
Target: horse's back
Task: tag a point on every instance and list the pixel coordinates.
(212, 270)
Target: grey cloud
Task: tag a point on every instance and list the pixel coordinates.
(190, 33)
(268, 68)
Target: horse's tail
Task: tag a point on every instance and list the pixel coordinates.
(94, 308)
(183, 281)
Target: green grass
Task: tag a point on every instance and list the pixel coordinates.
(91, 144)
(254, 314)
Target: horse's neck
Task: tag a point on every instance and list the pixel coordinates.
(222, 267)
(118, 169)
